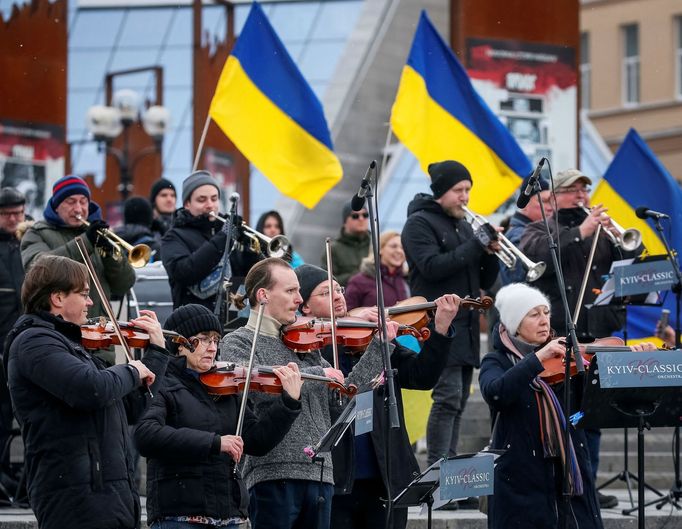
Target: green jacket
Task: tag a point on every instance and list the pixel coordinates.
(116, 277)
(347, 253)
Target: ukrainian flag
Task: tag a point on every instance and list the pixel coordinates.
(268, 110)
(637, 178)
(438, 115)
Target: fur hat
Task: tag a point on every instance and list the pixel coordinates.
(159, 186)
(309, 276)
(189, 320)
(66, 186)
(196, 180)
(446, 174)
(514, 301)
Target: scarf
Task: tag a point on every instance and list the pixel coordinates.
(550, 414)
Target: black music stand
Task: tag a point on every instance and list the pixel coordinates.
(644, 407)
(625, 302)
(420, 491)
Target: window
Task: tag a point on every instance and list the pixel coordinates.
(678, 57)
(585, 70)
(630, 64)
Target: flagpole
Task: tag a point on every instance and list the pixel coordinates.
(201, 143)
(385, 154)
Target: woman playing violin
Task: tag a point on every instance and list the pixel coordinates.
(360, 465)
(188, 435)
(73, 410)
(527, 413)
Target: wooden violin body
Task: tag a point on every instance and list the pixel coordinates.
(555, 368)
(227, 379)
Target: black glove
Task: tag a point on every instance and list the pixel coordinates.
(485, 234)
(91, 232)
(236, 223)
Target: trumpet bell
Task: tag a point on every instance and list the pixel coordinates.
(139, 255)
(535, 272)
(278, 246)
(631, 239)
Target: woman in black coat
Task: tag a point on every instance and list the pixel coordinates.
(188, 435)
(528, 476)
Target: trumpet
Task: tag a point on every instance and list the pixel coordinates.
(508, 253)
(628, 240)
(138, 255)
(277, 246)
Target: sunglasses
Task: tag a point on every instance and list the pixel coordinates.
(356, 216)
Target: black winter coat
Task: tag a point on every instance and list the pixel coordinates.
(11, 279)
(415, 371)
(445, 258)
(74, 415)
(528, 491)
(596, 322)
(180, 435)
(191, 249)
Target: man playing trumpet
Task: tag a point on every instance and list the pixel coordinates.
(64, 213)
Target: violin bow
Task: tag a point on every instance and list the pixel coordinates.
(105, 301)
(332, 316)
(590, 258)
(247, 383)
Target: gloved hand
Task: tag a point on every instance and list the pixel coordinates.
(238, 221)
(91, 231)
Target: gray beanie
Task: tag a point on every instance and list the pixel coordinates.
(309, 276)
(514, 301)
(195, 180)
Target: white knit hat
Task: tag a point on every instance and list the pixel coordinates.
(516, 300)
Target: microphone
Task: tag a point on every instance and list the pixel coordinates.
(527, 193)
(234, 197)
(644, 212)
(358, 201)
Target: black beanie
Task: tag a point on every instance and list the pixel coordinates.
(158, 186)
(446, 174)
(137, 210)
(309, 276)
(190, 320)
(11, 197)
(346, 211)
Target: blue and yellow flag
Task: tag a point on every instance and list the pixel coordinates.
(268, 110)
(438, 115)
(637, 178)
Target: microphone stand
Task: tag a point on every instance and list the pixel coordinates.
(676, 490)
(571, 350)
(390, 406)
(226, 272)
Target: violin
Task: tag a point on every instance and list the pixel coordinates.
(228, 379)
(555, 368)
(101, 335)
(308, 334)
(416, 311)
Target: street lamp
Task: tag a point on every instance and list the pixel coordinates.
(107, 123)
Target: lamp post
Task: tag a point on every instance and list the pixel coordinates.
(107, 123)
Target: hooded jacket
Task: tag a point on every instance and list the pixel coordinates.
(361, 290)
(180, 435)
(74, 415)
(445, 258)
(191, 249)
(52, 236)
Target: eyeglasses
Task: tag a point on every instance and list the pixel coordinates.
(11, 213)
(573, 191)
(356, 216)
(325, 293)
(84, 295)
(204, 340)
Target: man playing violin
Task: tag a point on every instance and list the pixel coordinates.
(73, 410)
(188, 435)
(56, 234)
(576, 233)
(287, 489)
(192, 249)
(360, 465)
